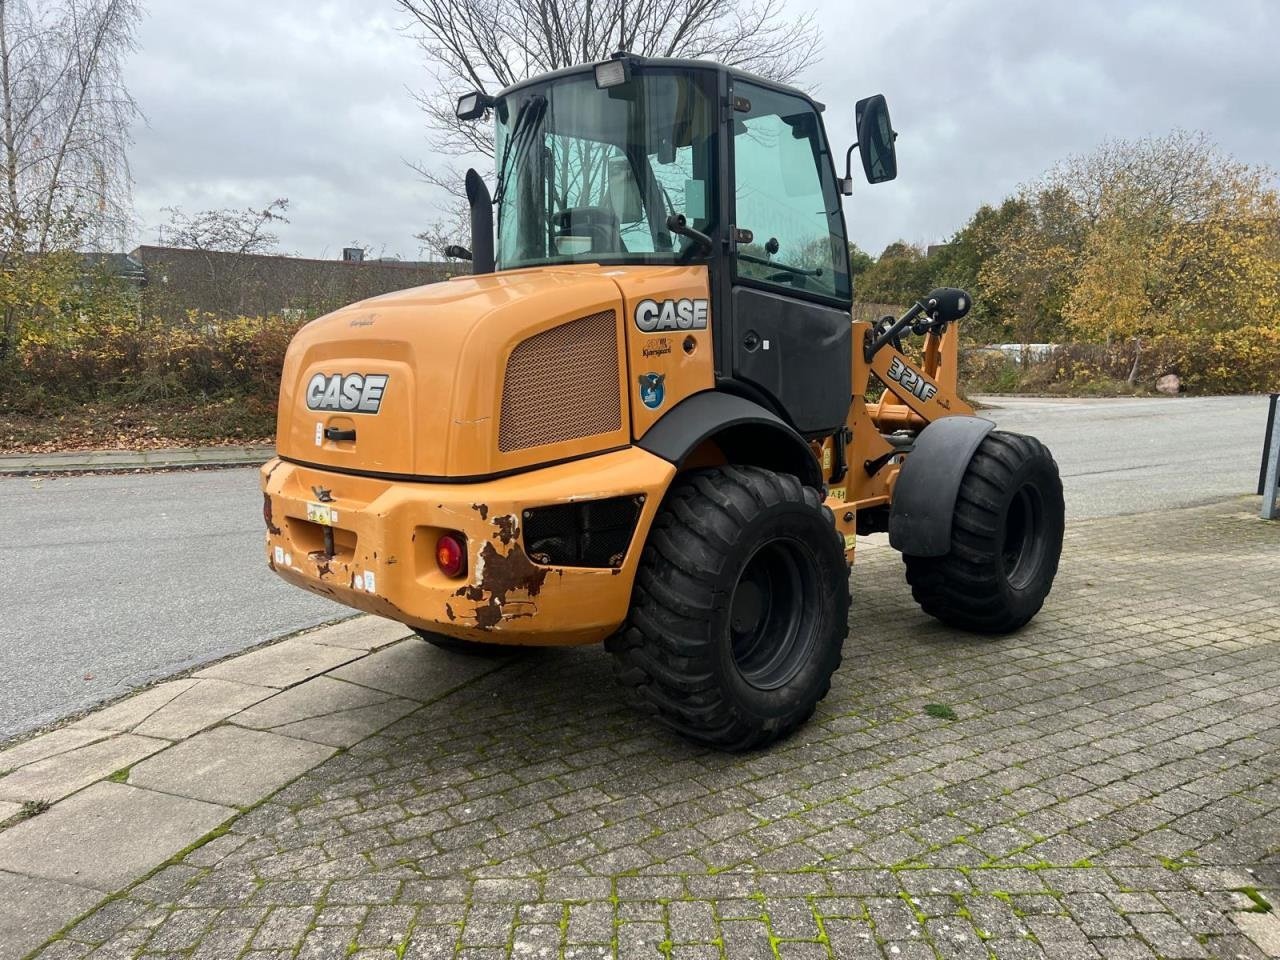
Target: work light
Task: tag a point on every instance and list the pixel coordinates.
(471, 106)
(613, 73)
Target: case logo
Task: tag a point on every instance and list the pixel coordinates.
(652, 389)
(352, 393)
(685, 314)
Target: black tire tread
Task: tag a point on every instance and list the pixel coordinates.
(662, 655)
(962, 587)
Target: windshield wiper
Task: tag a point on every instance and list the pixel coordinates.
(526, 120)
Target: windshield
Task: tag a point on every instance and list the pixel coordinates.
(590, 175)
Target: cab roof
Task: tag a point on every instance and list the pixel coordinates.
(666, 63)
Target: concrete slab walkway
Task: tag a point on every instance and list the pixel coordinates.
(94, 806)
(111, 461)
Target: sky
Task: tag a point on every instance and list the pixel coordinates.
(246, 101)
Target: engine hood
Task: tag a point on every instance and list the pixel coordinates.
(411, 383)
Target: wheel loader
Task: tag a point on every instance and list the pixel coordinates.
(643, 418)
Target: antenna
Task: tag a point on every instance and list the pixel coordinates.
(622, 26)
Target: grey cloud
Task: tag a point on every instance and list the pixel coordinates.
(988, 94)
(248, 101)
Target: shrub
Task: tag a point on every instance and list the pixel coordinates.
(1243, 360)
(130, 360)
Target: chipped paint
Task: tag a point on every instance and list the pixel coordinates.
(482, 509)
(321, 560)
(507, 526)
(268, 512)
(497, 576)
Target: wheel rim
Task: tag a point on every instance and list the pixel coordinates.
(773, 613)
(1024, 542)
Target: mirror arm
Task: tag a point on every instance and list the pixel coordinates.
(846, 184)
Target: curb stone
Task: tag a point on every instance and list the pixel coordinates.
(122, 461)
(217, 743)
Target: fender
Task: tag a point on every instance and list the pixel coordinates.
(745, 431)
(924, 498)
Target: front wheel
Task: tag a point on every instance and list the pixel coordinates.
(1006, 538)
(740, 609)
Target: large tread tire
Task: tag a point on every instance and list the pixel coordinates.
(1006, 538)
(675, 657)
(472, 648)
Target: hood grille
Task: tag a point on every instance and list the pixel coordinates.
(562, 384)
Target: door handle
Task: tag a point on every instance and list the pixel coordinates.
(337, 434)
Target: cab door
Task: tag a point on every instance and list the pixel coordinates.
(790, 294)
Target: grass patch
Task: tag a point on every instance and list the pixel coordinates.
(940, 711)
(33, 808)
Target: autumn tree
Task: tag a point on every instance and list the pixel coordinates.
(1033, 246)
(900, 275)
(1183, 238)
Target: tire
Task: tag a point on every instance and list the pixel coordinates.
(740, 609)
(1006, 538)
(472, 648)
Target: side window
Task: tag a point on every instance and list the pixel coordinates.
(786, 196)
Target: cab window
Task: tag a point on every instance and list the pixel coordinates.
(786, 197)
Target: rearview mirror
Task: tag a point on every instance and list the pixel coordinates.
(875, 139)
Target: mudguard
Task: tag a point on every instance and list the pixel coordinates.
(924, 498)
(745, 431)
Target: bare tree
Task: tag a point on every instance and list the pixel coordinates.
(490, 44)
(64, 122)
(225, 231)
(64, 133)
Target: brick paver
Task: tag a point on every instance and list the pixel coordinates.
(1108, 786)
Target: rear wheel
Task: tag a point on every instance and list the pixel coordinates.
(740, 609)
(1006, 537)
(472, 648)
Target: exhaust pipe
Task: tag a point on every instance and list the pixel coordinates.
(482, 260)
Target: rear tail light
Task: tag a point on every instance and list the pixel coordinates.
(451, 554)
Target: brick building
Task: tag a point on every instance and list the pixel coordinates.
(179, 280)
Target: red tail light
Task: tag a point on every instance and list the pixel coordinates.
(451, 554)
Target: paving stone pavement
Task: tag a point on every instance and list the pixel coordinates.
(1108, 788)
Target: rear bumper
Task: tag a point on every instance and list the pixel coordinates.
(380, 555)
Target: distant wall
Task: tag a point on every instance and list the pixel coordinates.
(180, 280)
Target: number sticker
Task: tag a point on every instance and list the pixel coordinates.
(320, 513)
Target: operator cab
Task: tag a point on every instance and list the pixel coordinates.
(657, 161)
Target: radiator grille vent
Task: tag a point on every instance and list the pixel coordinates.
(562, 384)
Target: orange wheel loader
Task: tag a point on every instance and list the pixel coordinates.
(641, 420)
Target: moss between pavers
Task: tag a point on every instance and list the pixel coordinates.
(1260, 903)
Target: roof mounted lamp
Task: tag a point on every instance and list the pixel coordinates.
(614, 72)
(471, 106)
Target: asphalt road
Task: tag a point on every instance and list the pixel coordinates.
(1134, 455)
(107, 582)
